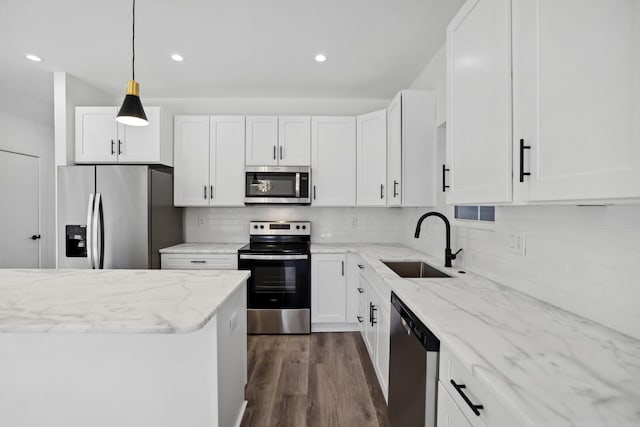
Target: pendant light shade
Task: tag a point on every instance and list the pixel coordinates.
(131, 113)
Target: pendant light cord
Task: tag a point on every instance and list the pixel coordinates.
(133, 43)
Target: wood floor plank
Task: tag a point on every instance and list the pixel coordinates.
(323, 379)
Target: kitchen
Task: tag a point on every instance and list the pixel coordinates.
(565, 223)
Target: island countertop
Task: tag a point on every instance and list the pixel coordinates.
(113, 301)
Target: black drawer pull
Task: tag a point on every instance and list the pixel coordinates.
(445, 169)
(474, 408)
(359, 319)
(360, 290)
(197, 261)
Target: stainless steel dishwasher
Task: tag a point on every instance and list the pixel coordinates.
(413, 369)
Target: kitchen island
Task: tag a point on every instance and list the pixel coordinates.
(122, 347)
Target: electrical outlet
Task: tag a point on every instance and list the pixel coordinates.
(354, 222)
(200, 221)
(517, 243)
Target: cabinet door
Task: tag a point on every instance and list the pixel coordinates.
(140, 144)
(262, 141)
(372, 158)
(294, 141)
(383, 341)
(394, 151)
(372, 322)
(226, 161)
(479, 103)
(577, 98)
(449, 415)
(333, 159)
(328, 288)
(191, 167)
(96, 135)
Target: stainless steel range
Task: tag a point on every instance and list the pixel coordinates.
(279, 289)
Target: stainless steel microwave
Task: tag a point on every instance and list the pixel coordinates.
(277, 185)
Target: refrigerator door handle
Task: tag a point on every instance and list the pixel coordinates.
(96, 222)
(89, 231)
(100, 243)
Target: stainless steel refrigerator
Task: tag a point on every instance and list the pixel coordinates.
(115, 216)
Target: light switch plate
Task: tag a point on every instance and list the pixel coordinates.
(517, 243)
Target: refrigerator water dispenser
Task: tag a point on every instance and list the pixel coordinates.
(76, 241)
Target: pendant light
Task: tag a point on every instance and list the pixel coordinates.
(131, 113)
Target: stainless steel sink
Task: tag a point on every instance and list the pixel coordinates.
(414, 269)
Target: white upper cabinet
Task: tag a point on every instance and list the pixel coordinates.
(572, 133)
(226, 172)
(283, 141)
(394, 151)
(262, 141)
(333, 158)
(191, 169)
(372, 158)
(577, 98)
(411, 149)
(209, 161)
(294, 141)
(479, 103)
(100, 139)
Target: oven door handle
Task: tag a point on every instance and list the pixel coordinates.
(273, 257)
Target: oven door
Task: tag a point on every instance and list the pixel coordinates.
(278, 281)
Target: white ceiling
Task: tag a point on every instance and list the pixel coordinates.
(243, 48)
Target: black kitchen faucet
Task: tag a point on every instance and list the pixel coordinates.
(448, 255)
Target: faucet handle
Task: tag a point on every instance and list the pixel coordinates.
(453, 256)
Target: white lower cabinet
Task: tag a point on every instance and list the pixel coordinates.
(449, 415)
(196, 261)
(328, 288)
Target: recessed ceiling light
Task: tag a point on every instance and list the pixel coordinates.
(177, 58)
(33, 57)
(320, 58)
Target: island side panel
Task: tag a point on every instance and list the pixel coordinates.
(106, 380)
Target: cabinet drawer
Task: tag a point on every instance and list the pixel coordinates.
(493, 413)
(199, 261)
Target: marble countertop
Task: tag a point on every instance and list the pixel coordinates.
(203, 248)
(113, 301)
(551, 367)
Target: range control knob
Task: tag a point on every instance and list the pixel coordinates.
(297, 227)
(255, 226)
(261, 227)
(304, 227)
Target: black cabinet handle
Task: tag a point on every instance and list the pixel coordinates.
(113, 150)
(395, 188)
(444, 178)
(198, 261)
(522, 148)
(35, 237)
(119, 147)
(360, 290)
(361, 267)
(373, 310)
(359, 319)
(474, 408)
(274, 152)
(280, 152)
(381, 191)
(314, 192)
(205, 191)
(343, 268)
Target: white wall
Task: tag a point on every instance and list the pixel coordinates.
(328, 225)
(434, 77)
(25, 135)
(583, 259)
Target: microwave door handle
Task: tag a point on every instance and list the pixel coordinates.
(298, 185)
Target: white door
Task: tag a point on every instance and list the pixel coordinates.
(191, 156)
(328, 288)
(294, 140)
(262, 141)
(141, 144)
(19, 216)
(227, 161)
(479, 103)
(577, 98)
(394, 151)
(333, 161)
(372, 158)
(96, 135)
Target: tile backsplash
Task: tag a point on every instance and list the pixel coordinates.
(585, 259)
(328, 225)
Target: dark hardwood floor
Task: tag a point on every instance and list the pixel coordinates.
(322, 379)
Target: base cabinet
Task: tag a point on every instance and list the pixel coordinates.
(328, 288)
(449, 415)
